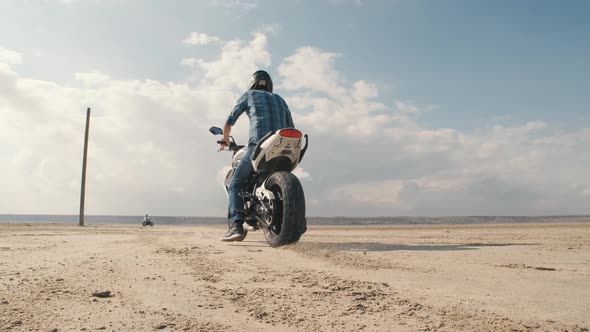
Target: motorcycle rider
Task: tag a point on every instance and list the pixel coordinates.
(267, 112)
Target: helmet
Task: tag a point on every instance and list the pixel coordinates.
(260, 81)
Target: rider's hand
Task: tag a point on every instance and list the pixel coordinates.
(224, 145)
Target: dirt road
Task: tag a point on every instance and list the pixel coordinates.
(533, 277)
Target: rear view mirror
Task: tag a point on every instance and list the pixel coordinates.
(216, 130)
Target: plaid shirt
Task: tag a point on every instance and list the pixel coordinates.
(267, 112)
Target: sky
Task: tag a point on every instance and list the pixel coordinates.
(413, 108)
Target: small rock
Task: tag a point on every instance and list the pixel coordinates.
(102, 294)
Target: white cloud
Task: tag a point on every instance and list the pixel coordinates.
(68, 2)
(150, 149)
(343, 2)
(140, 137)
(379, 159)
(236, 4)
(315, 85)
(10, 57)
(426, 171)
(93, 78)
(301, 173)
(195, 38)
(190, 62)
(363, 90)
(311, 69)
(238, 59)
(270, 29)
(406, 107)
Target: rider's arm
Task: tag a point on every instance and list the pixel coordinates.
(226, 131)
(241, 106)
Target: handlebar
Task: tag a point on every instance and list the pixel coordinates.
(232, 145)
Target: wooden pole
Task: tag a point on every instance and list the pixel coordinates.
(83, 190)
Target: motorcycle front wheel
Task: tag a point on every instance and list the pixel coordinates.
(288, 210)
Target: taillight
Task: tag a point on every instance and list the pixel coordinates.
(294, 133)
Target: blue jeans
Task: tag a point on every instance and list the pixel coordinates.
(241, 174)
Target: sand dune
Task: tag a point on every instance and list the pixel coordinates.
(532, 277)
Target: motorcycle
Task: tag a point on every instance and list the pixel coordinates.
(273, 196)
(147, 222)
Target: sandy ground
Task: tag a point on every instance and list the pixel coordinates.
(532, 277)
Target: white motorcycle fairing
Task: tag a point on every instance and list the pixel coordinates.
(274, 152)
(278, 151)
(235, 162)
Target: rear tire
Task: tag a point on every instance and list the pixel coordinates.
(288, 222)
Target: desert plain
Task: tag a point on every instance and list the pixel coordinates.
(490, 277)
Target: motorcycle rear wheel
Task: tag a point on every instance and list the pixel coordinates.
(288, 209)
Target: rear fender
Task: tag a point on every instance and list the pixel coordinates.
(277, 153)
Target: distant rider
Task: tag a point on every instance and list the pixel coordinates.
(267, 112)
